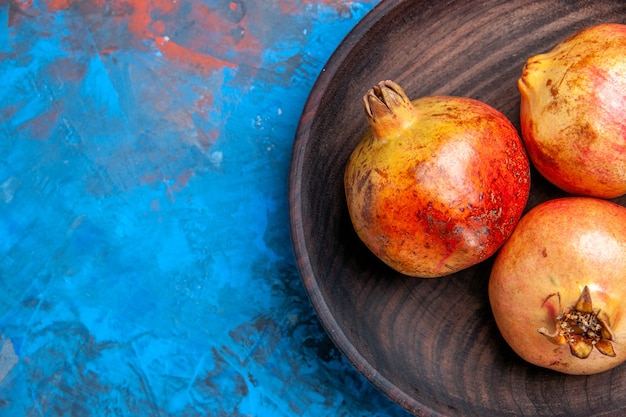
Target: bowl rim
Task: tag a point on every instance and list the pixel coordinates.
(298, 235)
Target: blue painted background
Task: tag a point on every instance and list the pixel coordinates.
(145, 261)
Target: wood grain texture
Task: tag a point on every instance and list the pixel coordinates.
(430, 345)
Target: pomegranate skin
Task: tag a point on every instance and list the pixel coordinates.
(436, 185)
(573, 102)
(557, 249)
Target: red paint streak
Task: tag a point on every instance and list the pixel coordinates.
(204, 104)
(138, 15)
(108, 50)
(24, 4)
(42, 126)
(58, 5)
(195, 55)
(182, 181)
(158, 27)
(188, 58)
(216, 32)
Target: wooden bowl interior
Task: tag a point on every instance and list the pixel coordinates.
(430, 345)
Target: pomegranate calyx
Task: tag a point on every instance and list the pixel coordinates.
(388, 109)
(582, 328)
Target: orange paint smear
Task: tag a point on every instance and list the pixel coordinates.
(189, 58)
(138, 15)
(217, 26)
(182, 181)
(158, 27)
(108, 50)
(58, 5)
(42, 127)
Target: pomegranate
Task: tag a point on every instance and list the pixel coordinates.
(557, 286)
(573, 101)
(436, 185)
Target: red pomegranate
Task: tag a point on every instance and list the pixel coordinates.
(558, 285)
(437, 184)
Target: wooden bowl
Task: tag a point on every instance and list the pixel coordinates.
(430, 345)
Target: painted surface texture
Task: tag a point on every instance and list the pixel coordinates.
(145, 260)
